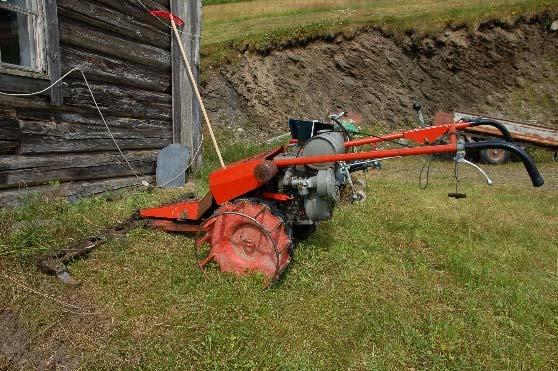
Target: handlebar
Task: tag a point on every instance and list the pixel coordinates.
(486, 122)
(536, 177)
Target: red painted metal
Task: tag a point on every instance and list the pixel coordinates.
(427, 135)
(277, 197)
(369, 155)
(246, 236)
(167, 15)
(238, 178)
(191, 210)
(421, 136)
(372, 140)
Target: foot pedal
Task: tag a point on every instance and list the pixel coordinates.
(457, 196)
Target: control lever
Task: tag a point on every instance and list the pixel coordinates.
(460, 159)
(418, 108)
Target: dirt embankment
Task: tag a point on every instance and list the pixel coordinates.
(503, 70)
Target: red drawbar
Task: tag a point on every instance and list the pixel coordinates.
(167, 15)
(426, 135)
(238, 179)
(369, 155)
(187, 210)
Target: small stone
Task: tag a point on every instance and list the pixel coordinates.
(554, 26)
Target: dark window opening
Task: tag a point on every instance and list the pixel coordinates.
(21, 34)
(10, 51)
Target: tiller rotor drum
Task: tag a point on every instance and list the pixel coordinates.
(247, 236)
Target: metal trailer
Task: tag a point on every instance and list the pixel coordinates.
(527, 135)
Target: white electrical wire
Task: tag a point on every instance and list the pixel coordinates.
(94, 102)
(42, 91)
(136, 174)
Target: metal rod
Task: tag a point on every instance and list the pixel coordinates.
(196, 90)
(369, 155)
(378, 139)
(404, 134)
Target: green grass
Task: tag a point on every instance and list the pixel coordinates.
(264, 25)
(408, 280)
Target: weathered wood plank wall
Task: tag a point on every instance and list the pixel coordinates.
(126, 56)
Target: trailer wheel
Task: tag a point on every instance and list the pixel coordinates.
(494, 156)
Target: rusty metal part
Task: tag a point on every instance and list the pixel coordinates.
(173, 227)
(354, 116)
(265, 171)
(246, 236)
(56, 263)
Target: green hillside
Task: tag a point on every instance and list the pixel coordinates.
(261, 24)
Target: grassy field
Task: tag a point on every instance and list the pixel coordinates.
(264, 24)
(410, 279)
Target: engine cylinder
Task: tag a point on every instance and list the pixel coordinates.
(328, 143)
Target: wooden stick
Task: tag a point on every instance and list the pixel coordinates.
(195, 86)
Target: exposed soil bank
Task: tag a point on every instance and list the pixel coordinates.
(498, 70)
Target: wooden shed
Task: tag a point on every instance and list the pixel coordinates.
(57, 140)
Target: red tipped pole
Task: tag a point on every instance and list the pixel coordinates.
(174, 22)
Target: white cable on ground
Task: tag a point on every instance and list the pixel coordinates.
(51, 298)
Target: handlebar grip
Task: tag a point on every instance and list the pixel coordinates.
(536, 177)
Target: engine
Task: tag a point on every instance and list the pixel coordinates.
(316, 188)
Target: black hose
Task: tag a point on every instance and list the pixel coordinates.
(530, 166)
(486, 122)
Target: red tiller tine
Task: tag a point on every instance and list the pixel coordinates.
(204, 239)
(203, 263)
(167, 15)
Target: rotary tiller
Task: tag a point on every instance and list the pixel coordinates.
(257, 208)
